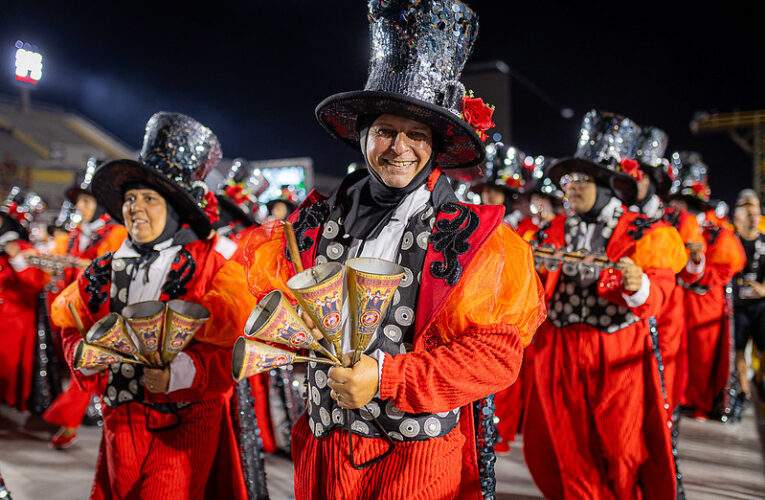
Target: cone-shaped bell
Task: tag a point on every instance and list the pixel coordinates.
(319, 290)
(275, 320)
(95, 357)
(371, 285)
(251, 357)
(111, 333)
(146, 319)
(182, 320)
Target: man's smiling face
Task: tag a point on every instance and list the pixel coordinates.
(398, 148)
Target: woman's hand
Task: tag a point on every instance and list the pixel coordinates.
(632, 274)
(156, 380)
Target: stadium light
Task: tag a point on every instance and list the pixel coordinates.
(28, 63)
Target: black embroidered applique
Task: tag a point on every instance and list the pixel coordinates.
(98, 274)
(714, 233)
(179, 275)
(672, 217)
(450, 240)
(640, 224)
(310, 217)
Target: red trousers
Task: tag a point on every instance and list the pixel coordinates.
(671, 328)
(134, 463)
(429, 469)
(595, 424)
(69, 407)
(708, 348)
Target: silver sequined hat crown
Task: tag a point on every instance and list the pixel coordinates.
(605, 141)
(649, 153)
(177, 154)
(419, 48)
(22, 205)
(690, 179)
(239, 192)
(83, 180)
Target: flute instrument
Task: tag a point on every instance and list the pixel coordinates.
(56, 264)
(576, 262)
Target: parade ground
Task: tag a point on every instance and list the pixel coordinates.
(718, 461)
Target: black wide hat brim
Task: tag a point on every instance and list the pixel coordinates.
(459, 146)
(73, 192)
(110, 179)
(623, 185)
(693, 202)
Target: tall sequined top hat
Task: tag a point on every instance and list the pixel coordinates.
(606, 152)
(68, 217)
(239, 192)
(649, 153)
(545, 185)
(690, 180)
(22, 206)
(83, 180)
(419, 48)
(177, 154)
(504, 168)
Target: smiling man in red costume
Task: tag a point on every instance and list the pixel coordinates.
(469, 300)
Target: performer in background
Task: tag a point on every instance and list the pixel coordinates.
(469, 300)
(708, 272)
(749, 292)
(595, 424)
(20, 285)
(502, 183)
(167, 432)
(95, 235)
(653, 186)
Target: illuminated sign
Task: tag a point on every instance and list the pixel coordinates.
(28, 63)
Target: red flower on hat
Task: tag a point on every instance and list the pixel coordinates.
(210, 206)
(631, 168)
(237, 193)
(698, 188)
(13, 211)
(477, 115)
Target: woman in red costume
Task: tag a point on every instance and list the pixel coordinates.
(96, 235)
(20, 286)
(595, 424)
(469, 300)
(708, 272)
(653, 188)
(167, 432)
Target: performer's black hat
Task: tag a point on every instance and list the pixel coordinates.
(239, 192)
(20, 208)
(83, 180)
(506, 170)
(419, 49)
(690, 180)
(649, 152)
(177, 154)
(606, 152)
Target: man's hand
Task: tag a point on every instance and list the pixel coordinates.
(354, 387)
(156, 379)
(12, 249)
(696, 249)
(758, 290)
(632, 275)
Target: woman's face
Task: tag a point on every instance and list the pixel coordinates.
(86, 205)
(145, 214)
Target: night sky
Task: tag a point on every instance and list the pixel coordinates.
(254, 71)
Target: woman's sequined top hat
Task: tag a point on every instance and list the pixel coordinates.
(21, 206)
(83, 180)
(177, 154)
(606, 152)
(239, 192)
(690, 180)
(649, 153)
(419, 48)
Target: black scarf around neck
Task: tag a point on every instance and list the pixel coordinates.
(369, 204)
